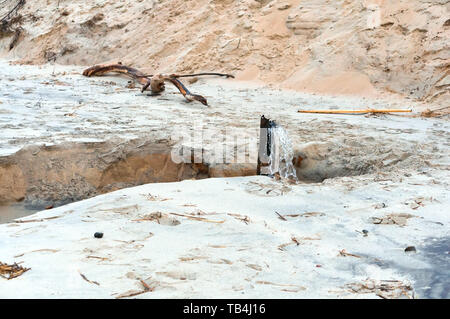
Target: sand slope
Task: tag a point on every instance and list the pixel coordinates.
(337, 47)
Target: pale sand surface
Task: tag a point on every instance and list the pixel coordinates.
(234, 244)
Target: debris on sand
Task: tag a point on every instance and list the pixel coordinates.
(367, 111)
(439, 112)
(11, 271)
(386, 289)
(89, 281)
(392, 219)
(156, 82)
(160, 218)
(132, 293)
(343, 253)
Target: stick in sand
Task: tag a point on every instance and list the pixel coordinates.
(354, 111)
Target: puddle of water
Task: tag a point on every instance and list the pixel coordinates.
(434, 283)
(9, 212)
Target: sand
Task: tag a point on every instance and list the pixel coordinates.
(222, 238)
(364, 47)
(370, 186)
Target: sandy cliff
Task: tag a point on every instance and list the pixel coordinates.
(363, 47)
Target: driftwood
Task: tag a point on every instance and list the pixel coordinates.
(155, 82)
(89, 281)
(343, 253)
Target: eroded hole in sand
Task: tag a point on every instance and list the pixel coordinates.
(49, 176)
(318, 161)
(40, 177)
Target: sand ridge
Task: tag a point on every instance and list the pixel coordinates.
(330, 47)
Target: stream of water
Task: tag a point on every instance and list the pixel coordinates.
(281, 154)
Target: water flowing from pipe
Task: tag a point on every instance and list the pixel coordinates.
(282, 154)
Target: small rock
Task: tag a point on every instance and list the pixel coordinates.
(380, 205)
(410, 249)
(365, 232)
(98, 235)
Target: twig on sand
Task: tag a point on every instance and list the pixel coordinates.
(281, 216)
(355, 111)
(38, 250)
(146, 286)
(89, 281)
(199, 218)
(295, 240)
(35, 220)
(241, 218)
(132, 293)
(197, 74)
(297, 287)
(345, 254)
(97, 257)
(306, 215)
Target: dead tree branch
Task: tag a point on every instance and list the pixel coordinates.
(197, 74)
(10, 19)
(12, 12)
(156, 82)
